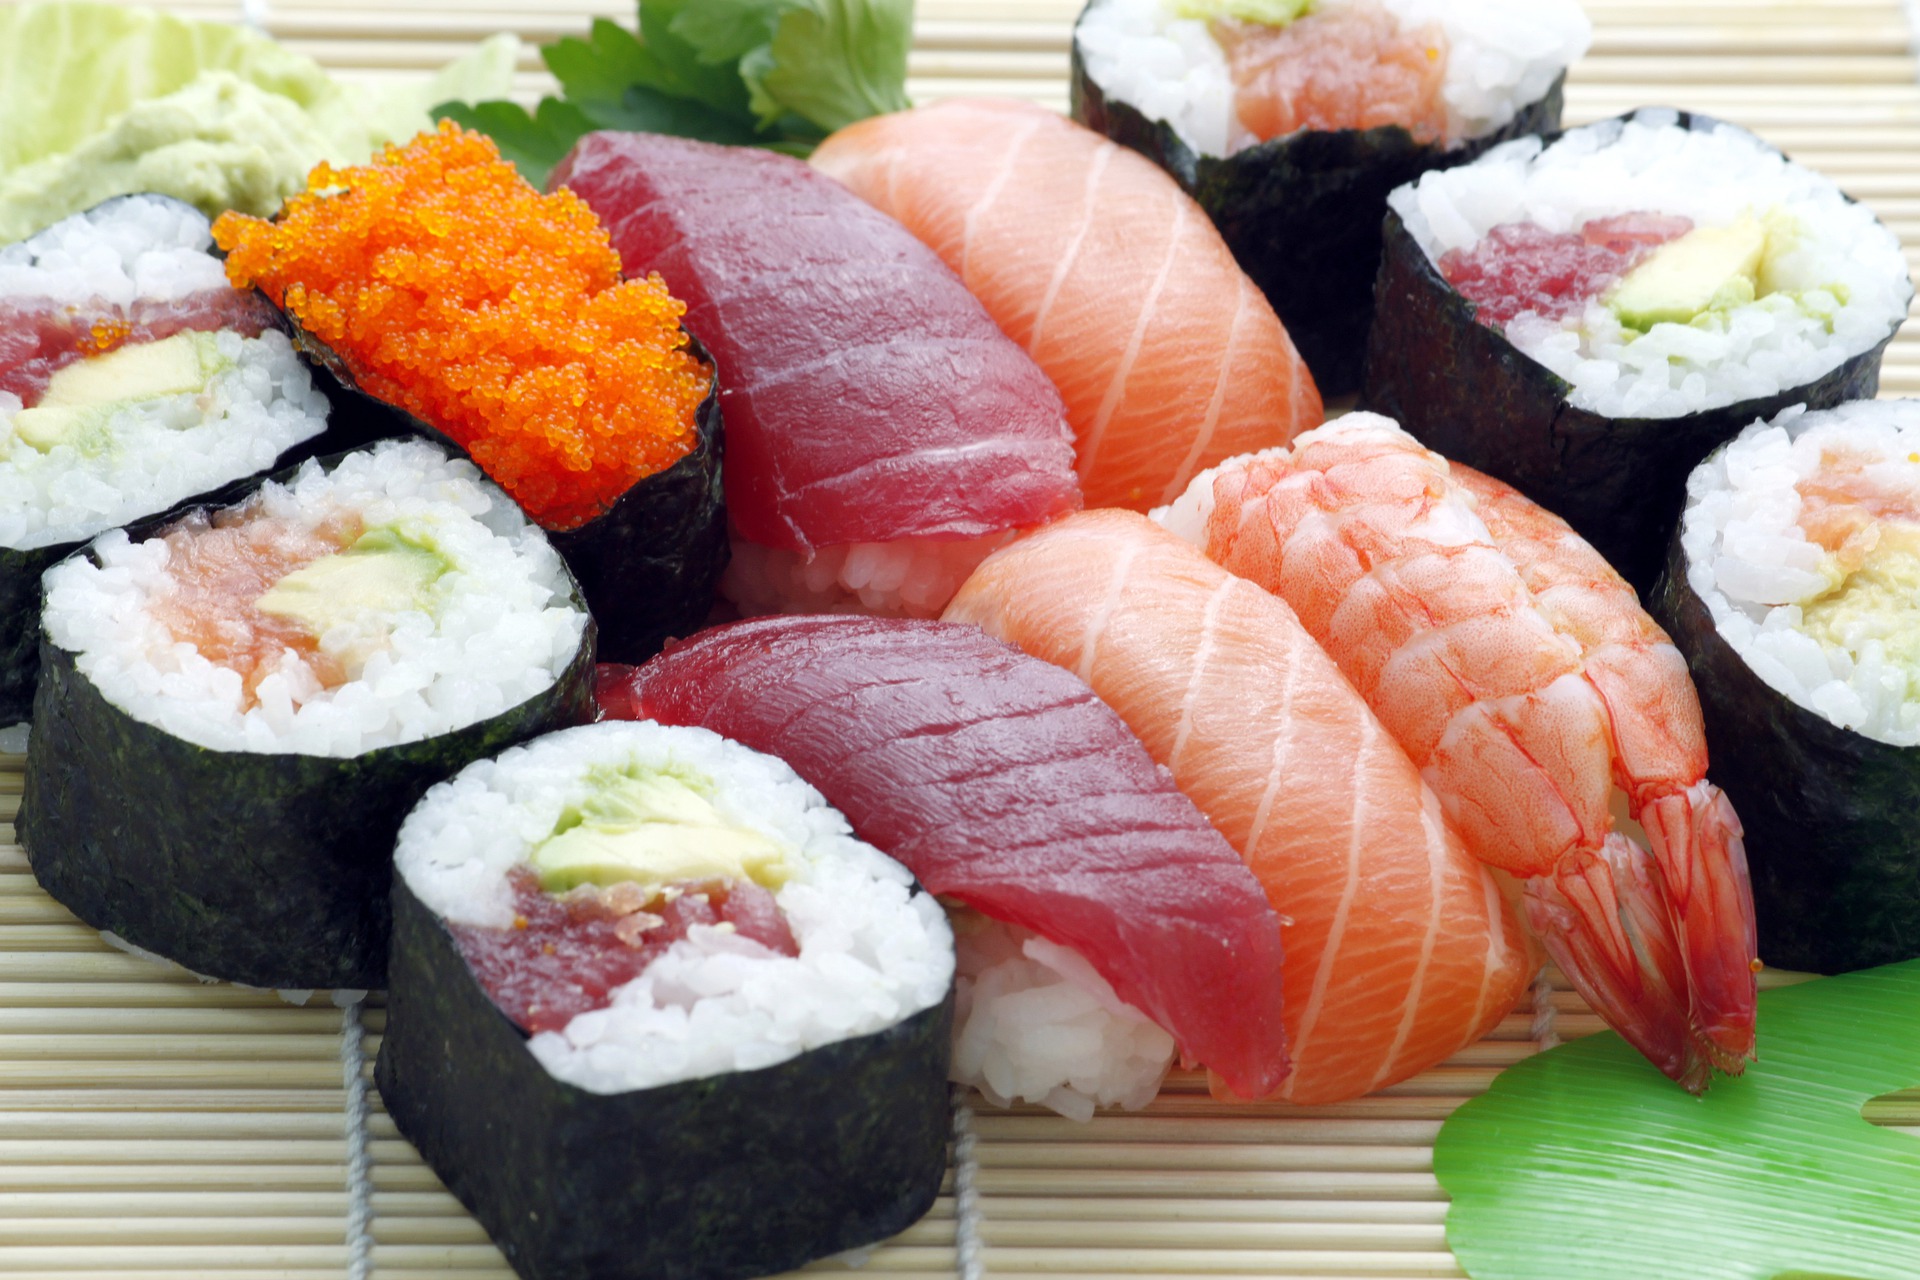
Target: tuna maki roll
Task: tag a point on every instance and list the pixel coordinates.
(655, 1013)
(1586, 318)
(438, 282)
(1793, 589)
(237, 706)
(1290, 121)
(133, 378)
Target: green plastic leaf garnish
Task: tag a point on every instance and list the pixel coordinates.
(1586, 1164)
(771, 73)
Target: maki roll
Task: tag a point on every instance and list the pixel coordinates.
(655, 1013)
(296, 669)
(436, 281)
(1586, 317)
(1793, 589)
(1290, 121)
(133, 378)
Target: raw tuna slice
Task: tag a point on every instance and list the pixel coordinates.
(1003, 782)
(869, 398)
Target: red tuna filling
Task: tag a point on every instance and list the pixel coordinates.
(1520, 266)
(566, 953)
(38, 339)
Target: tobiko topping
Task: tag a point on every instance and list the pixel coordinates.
(1520, 266)
(450, 287)
(566, 954)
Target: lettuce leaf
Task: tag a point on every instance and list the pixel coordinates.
(771, 73)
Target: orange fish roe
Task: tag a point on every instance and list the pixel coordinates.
(221, 568)
(453, 289)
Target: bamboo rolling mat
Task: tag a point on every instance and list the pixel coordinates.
(152, 1126)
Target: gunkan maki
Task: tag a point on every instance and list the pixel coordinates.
(1289, 121)
(655, 1014)
(1793, 589)
(1587, 317)
(437, 282)
(133, 379)
(237, 706)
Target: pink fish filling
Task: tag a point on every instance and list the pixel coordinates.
(38, 339)
(566, 954)
(1520, 266)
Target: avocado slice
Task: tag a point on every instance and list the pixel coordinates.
(1271, 13)
(386, 570)
(1709, 268)
(82, 397)
(653, 829)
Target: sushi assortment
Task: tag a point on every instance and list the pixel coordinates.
(353, 526)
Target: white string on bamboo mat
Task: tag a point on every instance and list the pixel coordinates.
(967, 1245)
(353, 1079)
(1544, 1013)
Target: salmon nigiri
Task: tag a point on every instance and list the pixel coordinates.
(1401, 948)
(1168, 357)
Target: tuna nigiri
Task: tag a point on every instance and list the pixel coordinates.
(1002, 782)
(1401, 948)
(882, 433)
(1521, 675)
(1112, 278)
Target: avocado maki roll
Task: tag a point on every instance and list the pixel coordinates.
(1793, 589)
(133, 379)
(1587, 317)
(1289, 121)
(237, 706)
(468, 305)
(655, 1013)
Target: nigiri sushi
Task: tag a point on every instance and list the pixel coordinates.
(1401, 948)
(882, 433)
(1003, 783)
(1110, 276)
(1521, 675)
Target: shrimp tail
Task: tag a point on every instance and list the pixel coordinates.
(1603, 916)
(1698, 845)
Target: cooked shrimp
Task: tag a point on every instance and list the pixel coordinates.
(1519, 672)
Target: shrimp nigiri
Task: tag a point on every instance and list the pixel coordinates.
(1519, 672)
(1400, 947)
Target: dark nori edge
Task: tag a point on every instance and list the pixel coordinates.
(1465, 391)
(1302, 212)
(1832, 817)
(650, 564)
(266, 869)
(732, 1175)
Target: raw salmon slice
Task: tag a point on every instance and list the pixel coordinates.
(1401, 949)
(1001, 781)
(1095, 261)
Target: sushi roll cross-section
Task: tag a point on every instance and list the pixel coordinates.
(1107, 921)
(296, 670)
(1587, 317)
(655, 1013)
(436, 281)
(133, 378)
(1291, 120)
(882, 433)
(1793, 589)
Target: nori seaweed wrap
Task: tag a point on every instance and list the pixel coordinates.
(1301, 210)
(492, 317)
(133, 381)
(233, 810)
(657, 1135)
(1830, 810)
(1466, 388)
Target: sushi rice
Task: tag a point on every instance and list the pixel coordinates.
(150, 454)
(1501, 56)
(499, 628)
(905, 578)
(872, 951)
(1834, 280)
(1836, 630)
